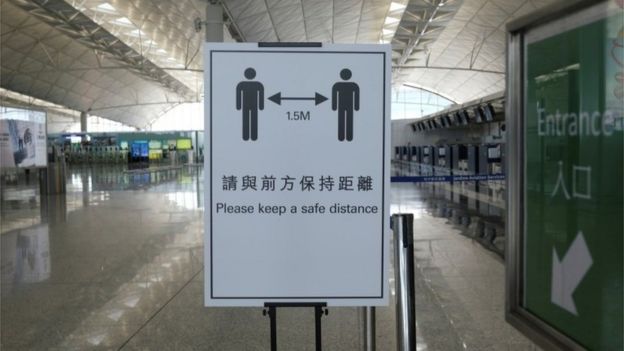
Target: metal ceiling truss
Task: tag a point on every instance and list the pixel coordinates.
(81, 28)
(467, 59)
(326, 21)
(61, 118)
(420, 25)
(455, 47)
(231, 25)
(8, 101)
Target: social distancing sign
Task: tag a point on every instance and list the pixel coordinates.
(297, 174)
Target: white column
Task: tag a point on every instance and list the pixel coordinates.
(214, 21)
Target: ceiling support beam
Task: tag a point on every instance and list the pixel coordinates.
(142, 104)
(451, 69)
(421, 23)
(62, 16)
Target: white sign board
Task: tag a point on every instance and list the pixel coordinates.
(297, 174)
(23, 140)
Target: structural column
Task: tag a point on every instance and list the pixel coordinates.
(214, 21)
(83, 122)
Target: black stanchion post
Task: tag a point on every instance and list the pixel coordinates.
(402, 225)
(273, 317)
(273, 324)
(318, 313)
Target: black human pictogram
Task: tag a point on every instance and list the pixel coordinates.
(250, 99)
(345, 99)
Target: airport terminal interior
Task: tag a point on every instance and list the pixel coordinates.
(500, 147)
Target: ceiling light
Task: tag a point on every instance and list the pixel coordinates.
(123, 21)
(105, 7)
(137, 33)
(161, 51)
(391, 20)
(387, 31)
(395, 6)
(132, 301)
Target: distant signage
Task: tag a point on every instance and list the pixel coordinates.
(298, 174)
(572, 246)
(23, 140)
(446, 178)
(155, 144)
(140, 148)
(184, 144)
(155, 154)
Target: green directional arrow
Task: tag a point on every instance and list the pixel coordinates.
(573, 192)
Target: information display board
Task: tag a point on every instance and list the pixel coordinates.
(139, 148)
(297, 176)
(23, 140)
(184, 144)
(565, 255)
(155, 145)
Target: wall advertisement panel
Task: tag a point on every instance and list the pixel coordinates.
(566, 111)
(22, 138)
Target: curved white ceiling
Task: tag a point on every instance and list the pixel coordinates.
(132, 60)
(467, 60)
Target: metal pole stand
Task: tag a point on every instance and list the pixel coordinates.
(320, 309)
(369, 328)
(402, 227)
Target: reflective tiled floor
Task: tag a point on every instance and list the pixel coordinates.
(459, 284)
(117, 264)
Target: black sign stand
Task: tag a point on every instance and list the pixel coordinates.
(320, 309)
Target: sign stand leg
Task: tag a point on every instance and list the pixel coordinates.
(320, 309)
(273, 322)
